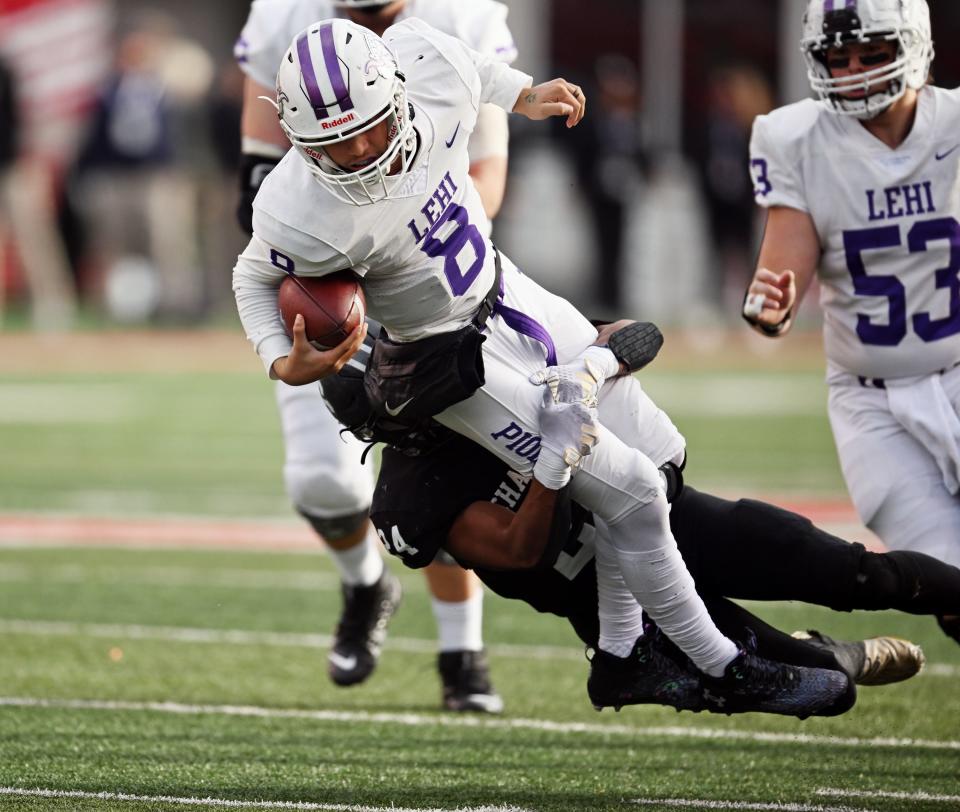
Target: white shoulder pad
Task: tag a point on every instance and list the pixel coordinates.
(948, 106)
(481, 24)
(426, 55)
(283, 216)
(776, 149)
(422, 48)
(269, 30)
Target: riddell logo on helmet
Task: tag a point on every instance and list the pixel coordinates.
(329, 125)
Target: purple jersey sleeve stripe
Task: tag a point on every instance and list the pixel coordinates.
(332, 64)
(527, 326)
(310, 77)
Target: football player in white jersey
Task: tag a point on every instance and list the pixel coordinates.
(862, 188)
(323, 473)
(378, 183)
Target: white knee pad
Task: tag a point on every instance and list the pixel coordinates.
(322, 471)
(325, 490)
(629, 413)
(615, 480)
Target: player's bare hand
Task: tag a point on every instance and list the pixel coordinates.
(558, 97)
(771, 296)
(306, 364)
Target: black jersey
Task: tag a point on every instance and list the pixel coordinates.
(418, 498)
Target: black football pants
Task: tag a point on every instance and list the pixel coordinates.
(754, 551)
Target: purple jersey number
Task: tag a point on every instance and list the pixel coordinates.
(761, 181)
(282, 261)
(920, 235)
(450, 247)
(873, 239)
(945, 228)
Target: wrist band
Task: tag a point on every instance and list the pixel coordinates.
(550, 470)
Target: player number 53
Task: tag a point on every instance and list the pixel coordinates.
(921, 234)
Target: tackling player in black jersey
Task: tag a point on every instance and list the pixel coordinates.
(439, 494)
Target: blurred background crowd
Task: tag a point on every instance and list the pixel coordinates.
(119, 141)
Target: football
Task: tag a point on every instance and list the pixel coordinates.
(331, 306)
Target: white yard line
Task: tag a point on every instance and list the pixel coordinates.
(456, 720)
(684, 803)
(879, 793)
(180, 634)
(169, 576)
(242, 637)
(225, 803)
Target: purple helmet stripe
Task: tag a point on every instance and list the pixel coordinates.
(310, 77)
(332, 63)
(830, 5)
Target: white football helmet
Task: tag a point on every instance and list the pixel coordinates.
(836, 22)
(337, 80)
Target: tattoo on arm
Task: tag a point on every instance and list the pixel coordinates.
(531, 98)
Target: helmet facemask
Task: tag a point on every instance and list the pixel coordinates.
(907, 25)
(367, 90)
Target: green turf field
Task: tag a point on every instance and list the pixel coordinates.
(164, 679)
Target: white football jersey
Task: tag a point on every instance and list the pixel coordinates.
(889, 228)
(272, 24)
(424, 254)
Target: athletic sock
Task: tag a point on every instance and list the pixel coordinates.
(460, 624)
(653, 570)
(911, 582)
(620, 616)
(362, 564)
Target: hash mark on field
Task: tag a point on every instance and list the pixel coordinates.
(684, 803)
(906, 796)
(448, 720)
(223, 802)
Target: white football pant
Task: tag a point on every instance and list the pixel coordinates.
(322, 470)
(621, 485)
(894, 479)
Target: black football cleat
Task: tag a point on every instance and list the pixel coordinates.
(362, 629)
(648, 676)
(874, 661)
(753, 683)
(466, 682)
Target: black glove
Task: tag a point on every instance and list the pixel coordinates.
(253, 169)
